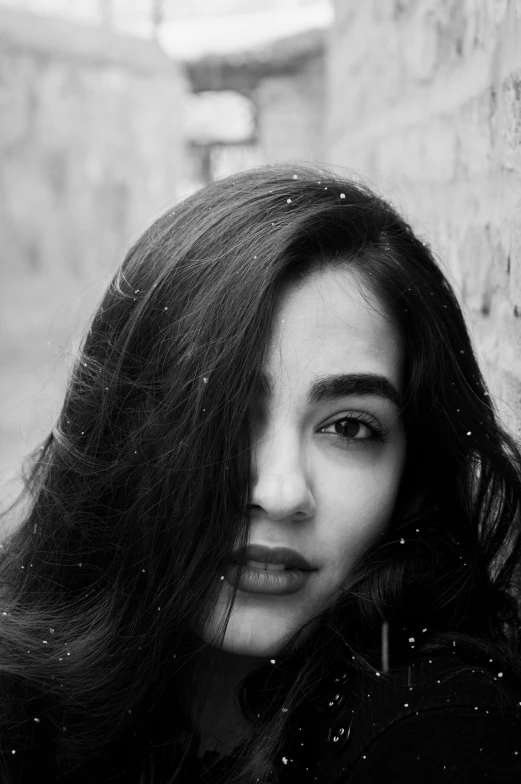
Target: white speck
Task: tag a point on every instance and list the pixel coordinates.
(424, 630)
(500, 675)
(476, 707)
(142, 570)
(158, 609)
(411, 639)
(342, 195)
(469, 433)
(222, 577)
(288, 201)
(44, 642)
(272, 661)
(284, 710)
(295, 176)
(13, 751)
(402, 541)
(80, 564)
(166, 307)
(205, 380)
(406, 704)
(377, 673)
(285, 760)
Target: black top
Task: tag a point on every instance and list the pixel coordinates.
(439, 720)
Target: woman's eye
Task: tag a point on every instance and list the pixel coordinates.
(350, 428)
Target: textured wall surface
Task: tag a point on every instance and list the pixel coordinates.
(90, 152)
(425, 102)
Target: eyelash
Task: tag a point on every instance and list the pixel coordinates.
(379, 433)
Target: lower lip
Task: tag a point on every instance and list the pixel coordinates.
(278, 582)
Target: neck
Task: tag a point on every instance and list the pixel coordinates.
(214, 706)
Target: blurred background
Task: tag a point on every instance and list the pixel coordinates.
(113, 110)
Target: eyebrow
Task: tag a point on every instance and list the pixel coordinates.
(327, 388)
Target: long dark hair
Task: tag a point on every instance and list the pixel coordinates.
(138, 495)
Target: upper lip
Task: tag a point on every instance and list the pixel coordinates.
(273, 555)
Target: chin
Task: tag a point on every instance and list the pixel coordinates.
(244, 638)
(257, 648)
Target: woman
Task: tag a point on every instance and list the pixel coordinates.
(274, 535)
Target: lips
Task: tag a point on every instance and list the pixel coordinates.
(266, 557)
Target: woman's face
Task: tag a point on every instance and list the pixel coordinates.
(328, 452)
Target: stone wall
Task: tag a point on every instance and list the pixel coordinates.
(91, 150)
(425, 103)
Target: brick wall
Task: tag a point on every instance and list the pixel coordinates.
(425, 103)
(90, 152)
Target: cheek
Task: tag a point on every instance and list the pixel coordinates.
(355, 509)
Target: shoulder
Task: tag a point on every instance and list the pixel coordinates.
(435, 719)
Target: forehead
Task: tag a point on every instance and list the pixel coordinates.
(332, 323)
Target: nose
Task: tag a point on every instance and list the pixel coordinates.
(280, 484)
